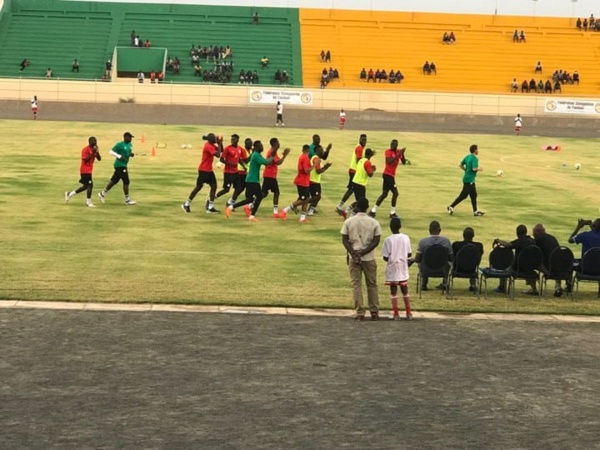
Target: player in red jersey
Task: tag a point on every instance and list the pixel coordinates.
(393, 156)
(270, 183)
(89, 154)
(357, 154)
(212, 148)
(302, 182)
(231, 177)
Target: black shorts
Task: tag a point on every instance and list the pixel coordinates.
(279, 117)
(242, 178)
(231, 180)
(303, 192)
(86, 179)
(314, 189)
(350, 178)
(206, 178)
(389, 182)
(359, 190)
(120, 173)
(270, 185)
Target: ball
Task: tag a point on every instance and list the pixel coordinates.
(577, 166)
(499, 172)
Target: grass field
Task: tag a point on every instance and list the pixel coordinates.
(154, 252)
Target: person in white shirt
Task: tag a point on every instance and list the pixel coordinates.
(518, 124)
(34, 106)
(279, 115)
(342, 119)
(396, 252)
(140, 77)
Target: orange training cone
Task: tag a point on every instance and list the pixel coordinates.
(143, 139)
(153, 154)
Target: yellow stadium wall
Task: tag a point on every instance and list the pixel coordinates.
(484, 60)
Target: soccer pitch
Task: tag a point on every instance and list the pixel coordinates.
(154, 252)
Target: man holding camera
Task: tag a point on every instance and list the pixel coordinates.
(587, 239)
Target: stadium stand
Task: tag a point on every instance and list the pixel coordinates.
(90, 31)
(483, 60)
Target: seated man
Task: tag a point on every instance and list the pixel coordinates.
(153, 77)
(285, 78)
(140, 77)
(516, 36)
(514, 86)
(575, 77)
(383, 75)
(468, 235)
(522, 37)
(522, 241)
(277, 76)
(452, 38)
(399, 76)
(426, 68)
(538, 67)
(197, 70)
(585, 24)
(445, 38)
(264, 62)
(557, 87)
(24, 64)
(540, 86)
(242, 77)
(532, 85)
(49, 73)
(371, 76)
(525, 86)
(255, 77)
(547, 243)
(323, 56)
(75, 66)
(548, 87)
(255, 18)
(587, 239)
(432, 68)
(363, 74)
(392, 76)
(147, 43)
(578, 23)
(336, 74)
(160, 76)
(378, 75)
(434, 238)
(328, 56)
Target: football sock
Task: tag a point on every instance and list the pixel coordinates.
(88, 201)
(393, 210)
(188, 202)
(394, 300)
(127, 198)
(275, 209)
(374, 208)
(287, 209)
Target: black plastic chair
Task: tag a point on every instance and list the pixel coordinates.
(500, 260)
(466, 265)
(526, 267)
(589, 269)
(434, 264)
(560, 267)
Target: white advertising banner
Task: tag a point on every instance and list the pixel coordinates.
(286, 97)
(572, 106)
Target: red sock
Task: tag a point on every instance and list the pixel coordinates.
(394, 299)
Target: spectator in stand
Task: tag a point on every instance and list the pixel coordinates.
(592, 22)
(108, 68)
(322, 56)
(532, 85)
(136, 41)
(140, 76)
(585, 24)
(557, 87)
(285, 78)
(277, 76)
(328, 56)
(371, 76)
(514, 86)
(578, 23)
(516, 36)
(160, 76)
(147, 43)
(548, 87)
(255, 18)
(445, 38)
(242, 77)
(25, 63)
(452, 38)
(432, 68)
(228, 52)
(197, 70)
(538, 67)
(176, 66)
(75, 66)
(540, 87)
(264, 61)
(525, 86)
(363, 74)
(576, 77)
(522, 37)
(132, 38)
(426, 68)
(336, 74)
(377, 75)
(48, 72)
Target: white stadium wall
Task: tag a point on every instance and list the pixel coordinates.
(549, 8)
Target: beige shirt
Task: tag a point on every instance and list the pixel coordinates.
(361, 230)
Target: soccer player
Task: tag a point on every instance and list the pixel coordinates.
(342, 119)
(122, 151)
(518, 124)
(470, 166)
(316, 141)
(364, 171)
(302, 182)
(89, 154)
(392, 157)
(270, 183)
(212, 148)
(34, 107)
(357, 154)
(253, 191)
(314, 188)
(396, 251)
(231, 178)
